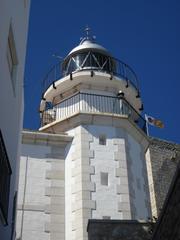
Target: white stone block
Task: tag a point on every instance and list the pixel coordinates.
(85, 169)
(31, 207)
(122, 164)
(82, 213)
(57, 183)
(119, 156)
(55, 174)
(82, 195)
(56, 209)
(82, 177)
(122, 189)
(126, 215)
(79, 233)
(77, 206)
(123, 206)
(57, 200)
(89, 204)
(57, 235)
(57, 218)
(84, 186)
(58, 165)
(54, 227)
(31, 235)
(81, 161)
(54, 191)
(37, 198)
(34, 221)
(121, 172)
(123, 180)
(118, 141)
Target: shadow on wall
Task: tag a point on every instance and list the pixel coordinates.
(119, 230)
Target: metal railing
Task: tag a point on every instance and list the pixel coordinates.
(91, 103)
(121, 69)
(5, 175)
(53, 75)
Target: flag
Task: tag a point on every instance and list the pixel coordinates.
(154, 122)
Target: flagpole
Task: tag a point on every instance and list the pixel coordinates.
(147, 126)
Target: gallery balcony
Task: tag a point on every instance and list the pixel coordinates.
(91, 104)
(90, 61)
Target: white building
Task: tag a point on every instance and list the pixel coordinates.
(13, 37)
(88, 159)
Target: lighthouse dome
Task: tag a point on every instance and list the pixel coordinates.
(88, 55)
(88, 44)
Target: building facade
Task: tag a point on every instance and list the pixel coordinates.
(13, 38)
(41, 202)
(168, 224)
(91, 159)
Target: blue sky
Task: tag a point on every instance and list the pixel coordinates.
(144, 34)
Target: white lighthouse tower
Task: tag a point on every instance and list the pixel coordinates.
(97, 101)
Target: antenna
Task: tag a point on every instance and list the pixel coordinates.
(87, 30)
(88, 35)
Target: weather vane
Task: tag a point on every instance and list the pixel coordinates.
(88, 36)
(87, 30)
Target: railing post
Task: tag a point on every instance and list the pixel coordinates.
(55, 73)
(79, 101)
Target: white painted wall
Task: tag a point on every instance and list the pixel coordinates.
(139, 191)
(32, 201)
(106, 197)
(69, 181)
(128, 172)
(125, 197)
(17, 13)
(41, 197)
(78, 185)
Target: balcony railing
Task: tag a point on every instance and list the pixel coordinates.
(91, 103)
(108, 65)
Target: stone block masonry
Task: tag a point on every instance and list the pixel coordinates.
(41, 198)
(162, 162)
(78, 185)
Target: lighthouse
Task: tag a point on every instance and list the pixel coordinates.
(95, 98)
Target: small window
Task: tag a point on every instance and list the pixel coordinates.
(5, 175)
(12, 57)
(104, 178)
(106, 217)
(102, 139)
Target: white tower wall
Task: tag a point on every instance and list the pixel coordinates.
(123, 159)
(105, 171)
(41, 201)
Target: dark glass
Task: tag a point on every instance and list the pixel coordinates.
(89, 60)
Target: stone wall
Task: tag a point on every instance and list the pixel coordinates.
(78, 186)
(161, 169)
(86, 159)
(41, 200)
(168, 224)
(122, 158)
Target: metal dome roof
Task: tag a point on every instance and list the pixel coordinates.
(89, 45)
